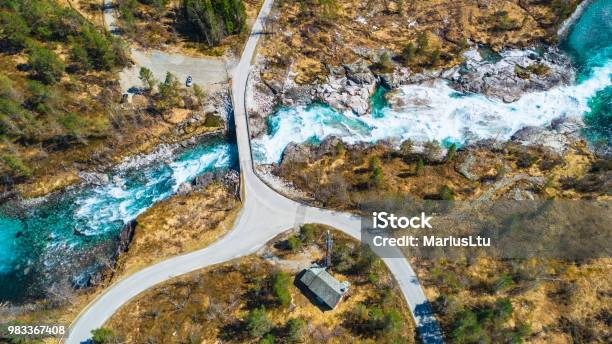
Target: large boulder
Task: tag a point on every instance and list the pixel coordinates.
(327, 146)
(94, 178)
(345, 94)
(126, 236)
(359, 72)
(516, 72)
(558, 136)
(295, 152)
(478, 165)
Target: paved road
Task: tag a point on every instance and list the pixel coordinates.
(264, 214)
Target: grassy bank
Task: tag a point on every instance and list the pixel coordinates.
(254, 299)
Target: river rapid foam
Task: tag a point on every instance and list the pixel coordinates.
(39, 236)
(435, 111)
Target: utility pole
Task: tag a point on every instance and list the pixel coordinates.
(328, 244)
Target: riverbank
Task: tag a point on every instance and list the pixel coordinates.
(140, 134)
(535, 97)
(84, 223)
(165, 230)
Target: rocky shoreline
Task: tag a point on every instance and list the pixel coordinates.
(505, 76)
(60, 268)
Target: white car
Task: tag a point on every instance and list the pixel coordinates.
(189, 81)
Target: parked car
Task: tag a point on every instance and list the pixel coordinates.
(189, 81)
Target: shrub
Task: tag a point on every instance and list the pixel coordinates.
(340, 149)
(408, 53)
(127, 9)
(503, 283)
(307, 233)
(257, 323)
(103, 336)
(503, 22)
(79, 56)
(280, 288)
(392, 323)
(104, 51)
(465, 328)
(434, 58)
(6, 88)
(42, 98)
(374, 163)
(342, 258)
(45, 64)
(538, 69)
(294, 243)
(525, 160)
(268, 339)
(446, 193)
(15, 30)
(15, 164)
(212, 121)
(451, 153)
(432, 150)
(500, 171)
(296, 330)
(384, 64)
(168, 96)
(562, 8)
(377, 177)
(156, 3)
(502, 310)
(198, 93)
(367, 260)
(422, 42)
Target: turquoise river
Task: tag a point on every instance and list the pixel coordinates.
(41, 235)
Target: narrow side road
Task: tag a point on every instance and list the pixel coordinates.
(264, 215)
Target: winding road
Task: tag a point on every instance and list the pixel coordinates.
(265, 214)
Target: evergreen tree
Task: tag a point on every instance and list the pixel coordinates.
(296, 330)
(280, 288)
(420, 167)
(146, 77)
(451, 153)
(406, 147)
(257, 323)
(408, 53)
(422, 42)
(45, 64)
(213, 19)
(14, 30)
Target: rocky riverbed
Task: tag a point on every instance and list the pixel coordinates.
(503, 77)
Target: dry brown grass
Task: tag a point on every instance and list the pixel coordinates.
(305, 31)
(345, 180)
(563, 302)
(167, 229)
(90, 9)
(208, 305)
(180, 224)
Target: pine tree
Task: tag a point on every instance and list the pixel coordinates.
(420, 167)
(451, 153)
(146, 77)
(45, 64)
